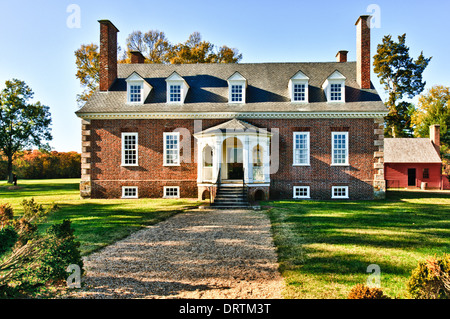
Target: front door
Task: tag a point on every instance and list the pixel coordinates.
(411, 177)
(235, 165)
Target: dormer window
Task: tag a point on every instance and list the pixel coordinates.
(236, 94)
(334, 88)
(298, 88)
(177, 89)
(175, 93)
(137, 89)
(237, 86)
(136, 93)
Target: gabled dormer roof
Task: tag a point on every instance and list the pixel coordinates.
(176, 77)
(336, 75)
(136, 77)
(236, 76)
(300, 76)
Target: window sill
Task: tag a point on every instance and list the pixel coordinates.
(339, 197)
(129, 165)
(340, 165)
(302, 197)
(170, 165)
(300, 165)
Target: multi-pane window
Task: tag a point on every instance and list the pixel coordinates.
(171, 149)
(336, 92)
(236, 93)
(426, 173)
(135, 93)
(175, 93)
(171, 192)
(129, 192)
(299, 92)
(301, 192)
(339, 148)
(301, 148)
(129, 148)
(339, 192)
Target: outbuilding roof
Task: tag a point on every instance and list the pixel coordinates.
(410, 150)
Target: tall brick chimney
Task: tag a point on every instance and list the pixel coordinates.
(137, 57)
(363, 51)
(108, 54)
(435, 137)
(341, 56)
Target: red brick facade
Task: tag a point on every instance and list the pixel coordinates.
(107, 176)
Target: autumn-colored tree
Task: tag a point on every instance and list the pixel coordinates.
(434, 108)
(400, 76)
(22, 124)
(88, 64)
(156, 48)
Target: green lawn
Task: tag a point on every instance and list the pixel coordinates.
(97, 222)
(325, 247)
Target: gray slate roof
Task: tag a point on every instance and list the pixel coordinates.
(410, 150)
(267, 89)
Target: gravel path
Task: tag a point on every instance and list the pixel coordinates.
(198, 254)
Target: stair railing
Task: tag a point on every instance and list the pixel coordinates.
(217, 184)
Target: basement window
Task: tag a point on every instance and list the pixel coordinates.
(171, 192)
(129, 192)
(338, 192)
(301, 192)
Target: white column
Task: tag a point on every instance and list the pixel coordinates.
(217, 157)
(247, 161)
(266, 159)
(200, 146)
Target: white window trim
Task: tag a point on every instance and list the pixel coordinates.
(176, 79)
(309, 149)
(308, 196)
(291, 89)
(176, 187)
(177, 134)
(339, 197)
(133, 187)
(135, 83)
(123, 149)
(346, 150)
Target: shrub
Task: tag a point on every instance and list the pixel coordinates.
(431, 279)
(8, 238)
(361, 291)
(6, 214)
(59, 251)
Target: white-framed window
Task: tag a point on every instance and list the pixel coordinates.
(135, 93)
(301, 192)
(339, 149)
(175, 93)
(177, 89)
(301, 149)
(129, 149)
(129, 192)
(299, 93)
(339, 192)
(236, 94)
(334, 88)
(336, 92)
(171, 192)
(172, 149)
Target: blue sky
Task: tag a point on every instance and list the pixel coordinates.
(38, 47)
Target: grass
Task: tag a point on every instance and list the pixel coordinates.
(97, 222)
(325, 247)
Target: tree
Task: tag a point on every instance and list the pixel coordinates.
(22, 124)
(433, 108)
(400, 76)
(88, 64)
(156, 48)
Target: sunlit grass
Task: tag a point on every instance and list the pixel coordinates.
(325, 247)
(97, 222)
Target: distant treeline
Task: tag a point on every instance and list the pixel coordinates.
(36, 164)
